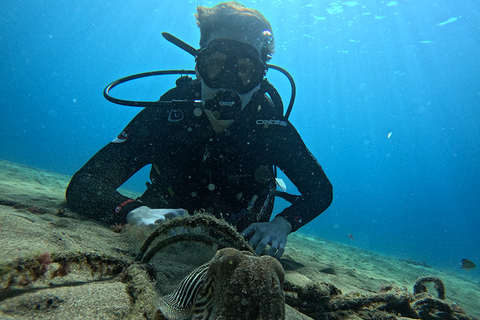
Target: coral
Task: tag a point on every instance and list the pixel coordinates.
(175, 239)
(320, 301)
(39, 269)
(25, 271)
(205, 221)
(420, 287)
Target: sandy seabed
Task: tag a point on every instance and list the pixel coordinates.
(57, 265)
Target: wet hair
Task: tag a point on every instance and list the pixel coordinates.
(241, 21)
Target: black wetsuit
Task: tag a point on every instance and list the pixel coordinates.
(195, 168)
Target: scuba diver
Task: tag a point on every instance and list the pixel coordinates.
(214, 144)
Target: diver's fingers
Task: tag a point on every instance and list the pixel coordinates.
(272, 250)
(251, 228)
(262, 245)
(255, 239)
(280, 252)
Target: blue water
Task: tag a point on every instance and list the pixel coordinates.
(388, 101)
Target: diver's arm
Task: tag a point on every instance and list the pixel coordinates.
(301, 167)
(92, 190)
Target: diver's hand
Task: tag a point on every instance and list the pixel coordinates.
(273, 233)
(144, 216)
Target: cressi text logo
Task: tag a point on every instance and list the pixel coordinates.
(272, 122)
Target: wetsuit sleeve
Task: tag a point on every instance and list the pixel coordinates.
(301, 167)
(92, 190)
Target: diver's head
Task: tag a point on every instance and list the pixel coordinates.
(236, 43)
(232, 20)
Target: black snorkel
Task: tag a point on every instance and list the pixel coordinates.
(191, 50)
(180, 43)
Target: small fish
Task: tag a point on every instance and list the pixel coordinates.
(351, 237)
(453, 19)
(179, 304)
(467, 264)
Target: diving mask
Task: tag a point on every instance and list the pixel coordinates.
(230, 64)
